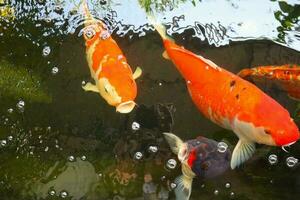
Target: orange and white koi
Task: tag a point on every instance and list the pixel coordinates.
(113, 76)
(286, 76)
(231, 102)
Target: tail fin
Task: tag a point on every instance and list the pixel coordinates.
(174, 142)
(161, 29)
(183, 187)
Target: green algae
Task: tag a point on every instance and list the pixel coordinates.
(20, 83)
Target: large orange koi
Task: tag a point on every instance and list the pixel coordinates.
(113, 76)
(232, 103)
(286, 76)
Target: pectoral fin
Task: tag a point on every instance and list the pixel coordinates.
(183, 187)
(174, 142)
(90, 87)
(242, 152)
(137, 73)
(165, 55)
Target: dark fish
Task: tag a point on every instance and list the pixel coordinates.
(199, 157)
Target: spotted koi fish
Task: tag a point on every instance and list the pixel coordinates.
(286, 76)
(114, 79)
(199, 158)
(231, 102)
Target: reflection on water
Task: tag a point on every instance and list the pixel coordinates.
(57, 142)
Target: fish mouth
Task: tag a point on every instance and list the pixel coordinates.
(125, 107)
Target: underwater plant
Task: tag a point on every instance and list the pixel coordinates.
(18, 82)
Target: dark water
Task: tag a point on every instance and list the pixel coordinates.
(59, 142)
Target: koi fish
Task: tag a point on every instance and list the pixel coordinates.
(231, 102)
(114, 79)
(286, 76)
(199, 157)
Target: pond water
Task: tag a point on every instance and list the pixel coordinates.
(59, 142)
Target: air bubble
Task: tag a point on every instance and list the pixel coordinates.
(222, 147)
(54, 70)
(10, 138)
(63, 194)
(153, 149)
(171, 164)
(71, 158)
(138, 155)
(10, 110)
(232, 194)
(46, 149)
(216, 192)
(273, 159)
(58, 8)
(20, 105)
(46, 51)
(135, 126)
(83, 158)
(227, 185)
(173, 186)
(3, 143)
(52, 192)
(291, 162)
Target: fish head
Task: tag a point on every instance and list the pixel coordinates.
(93, 31)
(286, 134)
(118, 91)
(204, 158)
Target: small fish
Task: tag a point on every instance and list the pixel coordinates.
(113, 76)
(231, 102)
(199, 157)
(286, 76)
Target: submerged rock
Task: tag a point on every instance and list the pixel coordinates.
(76, 180)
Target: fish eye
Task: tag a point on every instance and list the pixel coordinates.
(267, 131)
(106, 90)
(89, 33)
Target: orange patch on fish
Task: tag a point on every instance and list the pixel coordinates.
(286, 76)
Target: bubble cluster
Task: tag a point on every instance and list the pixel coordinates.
(138, 155)
(222, 147)
(273, 159)
(153, 149)
(135, 126)
(291, 161)
(171, 163)
(46, 51)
